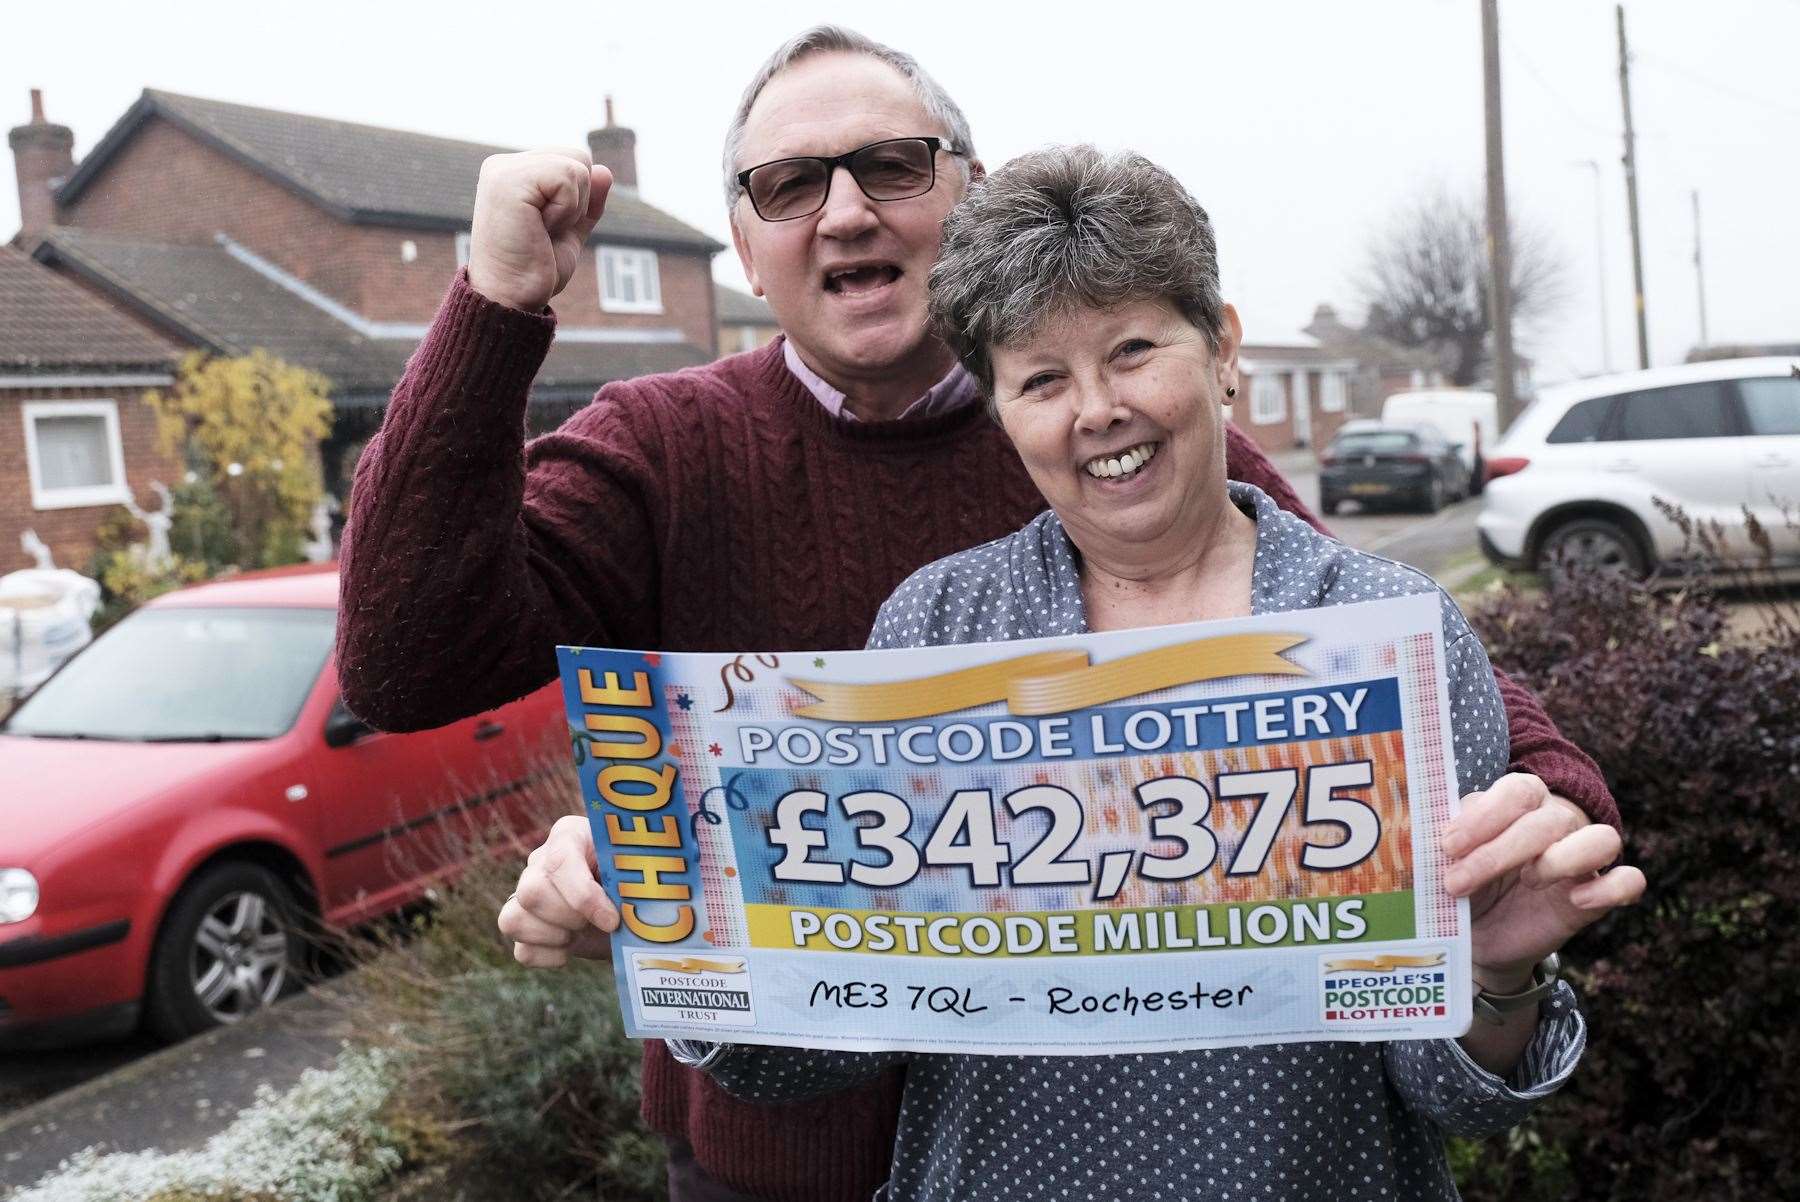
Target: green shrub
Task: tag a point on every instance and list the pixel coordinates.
(202, 532)
(200, 540)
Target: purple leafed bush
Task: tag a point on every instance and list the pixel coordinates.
(1691, 1082)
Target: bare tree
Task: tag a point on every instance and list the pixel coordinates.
(1425, 280)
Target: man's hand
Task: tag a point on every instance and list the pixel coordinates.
(533, 213)
(559, 909)
(1531, 866)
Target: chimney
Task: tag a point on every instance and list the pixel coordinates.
(1324, 325)
(43, 157)
(615, 148)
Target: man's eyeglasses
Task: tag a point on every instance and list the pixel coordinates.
(896, 169)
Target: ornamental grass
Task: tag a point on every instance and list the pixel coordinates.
(524, 1075)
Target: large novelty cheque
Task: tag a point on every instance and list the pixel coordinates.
(1175, 837)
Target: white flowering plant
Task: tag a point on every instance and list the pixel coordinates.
(325, 1140)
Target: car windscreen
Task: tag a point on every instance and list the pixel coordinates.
(1376, 442)
(184, 675)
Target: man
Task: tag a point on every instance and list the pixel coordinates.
(770, 500)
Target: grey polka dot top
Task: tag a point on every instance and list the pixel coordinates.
(1325, 1121)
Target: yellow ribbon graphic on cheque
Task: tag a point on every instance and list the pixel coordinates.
(693, 965)
(1053, 682)
(1384, 963)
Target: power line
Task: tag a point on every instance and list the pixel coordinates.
(1722, 89)
(1575, 114)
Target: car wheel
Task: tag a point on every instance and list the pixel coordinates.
(229, 946)
(1434, 495)
(1592, 545)
(1329, 504)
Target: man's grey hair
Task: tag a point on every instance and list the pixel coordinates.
(1063, 227)
(821, 39)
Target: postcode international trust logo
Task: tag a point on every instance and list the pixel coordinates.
(696, 990)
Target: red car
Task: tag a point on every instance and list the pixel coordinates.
(188, 795)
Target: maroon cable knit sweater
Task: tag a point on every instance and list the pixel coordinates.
(719, 508)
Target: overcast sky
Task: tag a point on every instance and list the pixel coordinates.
(1299, 124)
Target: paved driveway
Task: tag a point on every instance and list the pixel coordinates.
(1430, 542)
(172, 1098)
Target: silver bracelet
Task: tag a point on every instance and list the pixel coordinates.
(1494, 1007)
(698, 1054)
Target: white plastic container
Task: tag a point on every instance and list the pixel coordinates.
(44, 616)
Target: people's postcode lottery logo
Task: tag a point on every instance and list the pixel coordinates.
(709, 990)
(1385, 988)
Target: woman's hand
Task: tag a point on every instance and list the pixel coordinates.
(1532, 867)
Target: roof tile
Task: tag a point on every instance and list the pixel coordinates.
(223, 306)
(51, 324)
(366, 172)
(740, 308)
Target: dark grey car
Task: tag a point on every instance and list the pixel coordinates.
(1411, 466)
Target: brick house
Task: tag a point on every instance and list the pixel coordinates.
(75, 434)
(1383, 367)
(329, 243)
(745, 322)
(1292, 391)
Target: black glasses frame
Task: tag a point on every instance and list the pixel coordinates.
(832, 162)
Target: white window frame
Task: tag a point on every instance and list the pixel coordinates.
(1300, 392)
(463, 240)
(643, 266)
(115, 493)
(1268, 400)
(1334, 392)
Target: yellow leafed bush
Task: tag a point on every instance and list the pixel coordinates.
(251, 426)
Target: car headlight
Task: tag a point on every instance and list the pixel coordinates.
(18, 895)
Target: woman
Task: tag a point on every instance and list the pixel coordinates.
(1082, 292)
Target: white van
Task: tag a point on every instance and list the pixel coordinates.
(1464, 416)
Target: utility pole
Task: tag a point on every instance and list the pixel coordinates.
(1499, 253)
(1637, 246)
(1699, 270)
(1600, 254)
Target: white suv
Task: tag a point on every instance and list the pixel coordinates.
(1576, 473)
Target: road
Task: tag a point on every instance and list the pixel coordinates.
(164, 1098)
(1432, 543)
(26, 1077)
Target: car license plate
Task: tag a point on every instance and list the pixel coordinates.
(1367, 489)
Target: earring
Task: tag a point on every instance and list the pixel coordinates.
(1231, 392)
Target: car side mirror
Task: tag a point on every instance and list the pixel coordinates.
(1457, 446)
(343, 728)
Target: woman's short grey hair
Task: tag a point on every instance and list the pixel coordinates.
(1069, 227)
(821, 39)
